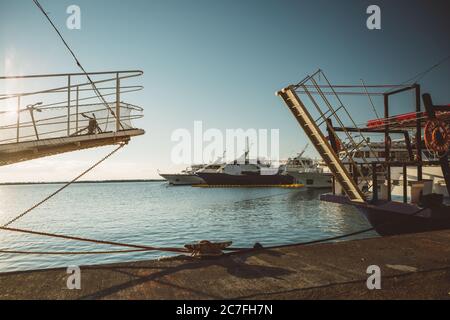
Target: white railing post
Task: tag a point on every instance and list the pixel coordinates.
(76, 109)
(68, 105)
(117, 102)
(18, 120)
(34, 122)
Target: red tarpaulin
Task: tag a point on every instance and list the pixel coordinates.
(406, 119)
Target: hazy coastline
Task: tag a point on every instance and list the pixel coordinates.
(80, 182)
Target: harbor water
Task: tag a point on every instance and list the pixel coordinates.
(155, 214)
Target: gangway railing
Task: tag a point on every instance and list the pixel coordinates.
(37, 109)
(62, 111)
(316, 105)
(334, 114)
(321, 144)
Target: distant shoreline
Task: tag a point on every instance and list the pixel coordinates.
(81, 182)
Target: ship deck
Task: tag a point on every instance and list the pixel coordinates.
(28, 150)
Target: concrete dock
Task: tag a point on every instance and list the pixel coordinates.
(412, 267)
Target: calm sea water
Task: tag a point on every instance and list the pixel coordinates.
(153, 213)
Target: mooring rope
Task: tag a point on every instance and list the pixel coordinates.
(145, 248)
(259, 246)
(97, 92)
(113, 243)
(53, 253)
(142, 248)
(139, 248)
(63, 187)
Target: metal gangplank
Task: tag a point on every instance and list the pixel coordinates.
(320, 97)
(321, 144)
(59, 113)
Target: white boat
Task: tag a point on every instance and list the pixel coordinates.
(309, 172)
(188, 176)
(247, 173)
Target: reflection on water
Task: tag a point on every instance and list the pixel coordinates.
(154, 214)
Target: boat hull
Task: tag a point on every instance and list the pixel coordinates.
(245, 180)
(393, 218)
(183, 179)
(313, 180)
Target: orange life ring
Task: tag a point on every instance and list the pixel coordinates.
(437, 136)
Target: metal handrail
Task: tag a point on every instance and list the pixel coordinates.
(310, 82)
(52, 75)
(69, 107)
(135, 74)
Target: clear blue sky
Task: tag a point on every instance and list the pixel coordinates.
(219, 62)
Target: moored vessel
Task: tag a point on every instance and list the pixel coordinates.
(188, 177)
(309, 172)
(245, 172)
(338, 139)
(392, 218)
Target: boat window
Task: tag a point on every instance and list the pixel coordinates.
(309, 181)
